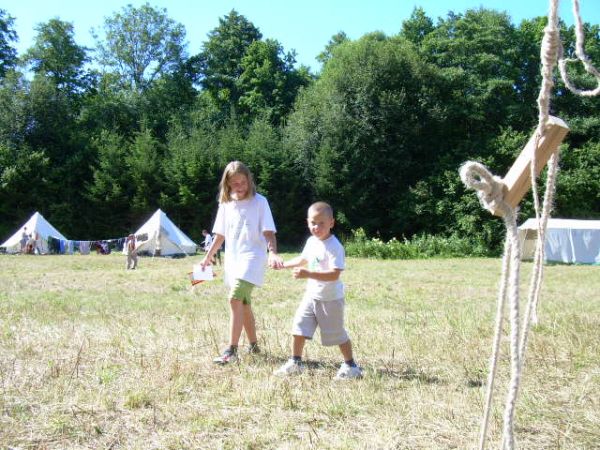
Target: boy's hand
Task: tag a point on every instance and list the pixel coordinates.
(300, 272)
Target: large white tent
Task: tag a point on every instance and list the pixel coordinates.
(35, 224)
(160, 236)
(567, 240)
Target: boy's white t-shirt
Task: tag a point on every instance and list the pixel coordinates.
(243, 223)
(322, 256)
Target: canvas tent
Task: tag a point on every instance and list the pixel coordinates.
(35, 224)
(160, 236)
(567, 240)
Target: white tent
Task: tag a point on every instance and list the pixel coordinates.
(567, 240)
(163, 237)
(35, 224)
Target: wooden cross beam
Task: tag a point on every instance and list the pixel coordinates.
(518, 179)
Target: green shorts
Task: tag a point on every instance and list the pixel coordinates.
(241, 290)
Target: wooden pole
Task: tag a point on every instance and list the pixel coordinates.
(518, 179)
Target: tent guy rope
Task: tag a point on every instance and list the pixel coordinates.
(502, 197)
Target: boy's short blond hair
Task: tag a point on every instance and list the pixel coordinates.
(321, 208)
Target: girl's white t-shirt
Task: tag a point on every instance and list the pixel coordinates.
(243, 223)
(322, 256)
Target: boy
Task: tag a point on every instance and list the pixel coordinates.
(321, 262)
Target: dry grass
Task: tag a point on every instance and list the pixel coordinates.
(92, 356)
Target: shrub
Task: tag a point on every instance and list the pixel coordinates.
(420, 246)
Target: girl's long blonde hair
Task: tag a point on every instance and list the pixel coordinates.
(234, 168)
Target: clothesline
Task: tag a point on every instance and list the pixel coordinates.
(102, 246)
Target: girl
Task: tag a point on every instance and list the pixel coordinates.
(245, 223)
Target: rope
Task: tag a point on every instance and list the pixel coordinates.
(490, 191)
(510, 220)
(547, 205)
(501, 302)
(550, 50)
(581, 56)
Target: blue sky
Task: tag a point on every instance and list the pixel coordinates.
(303, 25)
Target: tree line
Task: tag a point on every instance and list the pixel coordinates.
(97, 139)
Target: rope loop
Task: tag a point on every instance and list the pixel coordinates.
(581, 57)
(562, 67)
(489, 188)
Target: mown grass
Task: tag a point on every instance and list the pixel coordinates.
(93, 356)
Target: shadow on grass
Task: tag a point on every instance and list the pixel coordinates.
(277, 361)
(409, 374)
(475, 383)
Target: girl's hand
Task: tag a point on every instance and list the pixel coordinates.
(206, 261)
(275, 261)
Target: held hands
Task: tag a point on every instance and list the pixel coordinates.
(275, 261)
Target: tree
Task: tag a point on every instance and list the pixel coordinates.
(169, 96)
(23, 169)
(8, 54)
(56, 55)
(22, 183)
(478, 53)
(527, 84)
(145, 170)
(492, 70)
(110, 188)
(14, 110)
(220, 62)
(193, 169)
(277, 177)
(108, 107)
(364, 131)
(268, 84)
(336, 39)
(53, 128)
(417, 26)
(578, 189)
(141, 44)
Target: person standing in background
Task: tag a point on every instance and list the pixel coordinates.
(131, 252)
(24, 239)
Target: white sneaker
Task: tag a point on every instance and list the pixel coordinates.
(291, 367)
(227, 357)
(347, 372)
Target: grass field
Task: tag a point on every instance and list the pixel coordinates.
(93, 356)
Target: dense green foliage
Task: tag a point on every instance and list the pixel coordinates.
(418, 247)
(97, 144)
(8, 55)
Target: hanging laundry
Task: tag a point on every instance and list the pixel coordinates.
(84, 247)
